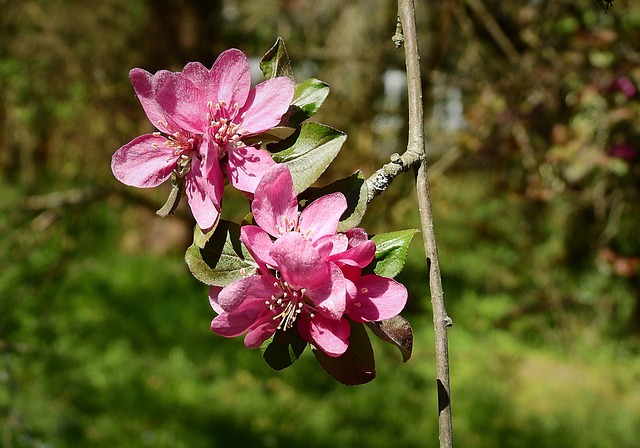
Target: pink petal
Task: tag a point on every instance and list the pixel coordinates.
(260, 333)
(300, 264)
(202, 197)
(360, 255)
(274, 205)
(329, 244)
(356, 236)
(184, 103)
(266, 104)
(247, 165)
(146, 87)
(214, 291)
(238, 321)
(230, 78)
(257, 288)
(331, 336)
(141, 164)
(330, 297)
(209, 151)
(378, 298)
(259, 244)
(321, 217)
(198, 74)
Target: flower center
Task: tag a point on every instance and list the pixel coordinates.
(289, 306)
(183, 144)
(225, 124)
(293, 225)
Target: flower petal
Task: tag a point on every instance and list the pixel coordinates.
(274, 205)
(230, 78)
(240, 320)
(300, 264)
(378, 298)
(331, 336)
(146, 87)
(184, 103)
(258, 288)
(360, 255)
(329, 244)
(260, 333)
(259, 245)
(321, 217)
(266, 104)
(247, 165)
(144, 162)
(214, 291)
(202, 196)
(198, 74)
(330, 297)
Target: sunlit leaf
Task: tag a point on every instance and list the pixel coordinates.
(314, 149)
(357, 365)
(307, 99)
(391, 252)
(222, 259)
(396, 331)
(276, 62)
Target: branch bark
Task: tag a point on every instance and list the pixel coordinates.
(416, 145)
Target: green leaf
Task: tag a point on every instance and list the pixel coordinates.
(314, 149)
(276, 62)
(283, 349)
(396, 331)
(391, 252)
(307, 99)
(354, 189)
(357, 365)
(219, 258)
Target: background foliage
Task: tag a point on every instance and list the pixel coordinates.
(533, 120)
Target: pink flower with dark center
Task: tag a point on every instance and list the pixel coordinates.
(202, 116)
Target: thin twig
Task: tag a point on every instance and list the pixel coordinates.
(416, 144)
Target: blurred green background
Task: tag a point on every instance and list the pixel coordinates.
(533, 126)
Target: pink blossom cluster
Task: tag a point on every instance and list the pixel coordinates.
(309, 277)
(203, 117)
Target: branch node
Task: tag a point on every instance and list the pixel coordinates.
(398, 37)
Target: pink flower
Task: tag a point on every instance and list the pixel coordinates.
(309, 275)
(300, 289)
(275, 208)
(202, 117)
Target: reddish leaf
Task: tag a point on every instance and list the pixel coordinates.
(396, 331)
